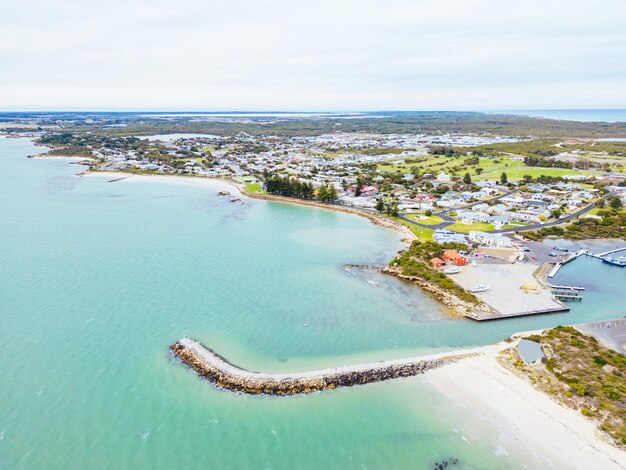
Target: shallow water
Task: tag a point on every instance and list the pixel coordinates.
(98, 278)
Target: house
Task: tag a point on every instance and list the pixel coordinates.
(531, 215)
(437, 262)
(530, 352)
(455, 257)
(443, 178)
(447, 236)
(490, 239)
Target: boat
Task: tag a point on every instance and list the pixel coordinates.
(621, 261)
(452, 270)
(479, 288)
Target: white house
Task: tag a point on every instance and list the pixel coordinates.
(446, 236)
(490, 239)
(443, 178)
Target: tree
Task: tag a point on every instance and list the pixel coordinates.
(556, 214)
(380, 205)
(479, 170)
(616, 203)
(395, 211)
(600, 203)
(332, 194)
(503, 178)
(467, 179)
(527, 178)
(428, 213)
(322, 192)
(359, 186)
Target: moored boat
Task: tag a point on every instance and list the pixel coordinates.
(479, 288)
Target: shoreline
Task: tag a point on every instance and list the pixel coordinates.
(551, 431)
(408, 235)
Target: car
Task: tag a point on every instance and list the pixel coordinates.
(526, 249)
(552, 253)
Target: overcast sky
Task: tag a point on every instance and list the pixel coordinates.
(312, 55)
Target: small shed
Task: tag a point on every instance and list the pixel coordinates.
(437, 262)
(455, 257)
(530, 352)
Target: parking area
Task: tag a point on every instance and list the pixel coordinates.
(611, 333)
(505, 293)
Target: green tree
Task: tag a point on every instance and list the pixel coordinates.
(428, 213)
(503, 178)
(467, 179)
(527, 178)
(359, 186)
(479, 170)
(395, 211)
(380, 205)
(322, 192)
(332, 194)
(616, 203)
(556, 214)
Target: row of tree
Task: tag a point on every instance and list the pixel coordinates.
(291, 187)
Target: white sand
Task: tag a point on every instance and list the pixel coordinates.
(557, 435)
(129, 177)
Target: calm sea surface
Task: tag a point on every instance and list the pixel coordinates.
(585, 115)
(97, 279)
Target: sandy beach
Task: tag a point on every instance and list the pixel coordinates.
(560, 436)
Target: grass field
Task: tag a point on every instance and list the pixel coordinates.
(422, 232)
(422, 219)
(516, 225)
(253, 188)
(491, 168)
(464, 228)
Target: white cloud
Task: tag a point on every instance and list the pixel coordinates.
(347, 54)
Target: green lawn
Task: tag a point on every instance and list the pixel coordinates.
(464, 228)
(516, 225)
(422, 232)
(253, 187)
(491, 168)
(422, 219)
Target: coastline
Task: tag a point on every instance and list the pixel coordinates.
(408, 235)
(550, 430)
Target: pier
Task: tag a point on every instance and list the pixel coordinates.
(217, 370)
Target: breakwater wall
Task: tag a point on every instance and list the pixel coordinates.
(223, 374)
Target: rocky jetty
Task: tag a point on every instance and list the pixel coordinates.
(223, 374)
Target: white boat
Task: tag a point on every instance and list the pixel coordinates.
(452, 270)
(479, 288)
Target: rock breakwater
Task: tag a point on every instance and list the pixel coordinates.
(223, 374)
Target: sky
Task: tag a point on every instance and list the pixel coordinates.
(340, 55)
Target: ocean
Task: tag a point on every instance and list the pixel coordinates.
(583, 115)
(98, 278)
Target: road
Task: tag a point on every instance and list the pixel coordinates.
(447, 220)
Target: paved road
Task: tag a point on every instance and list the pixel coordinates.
(447, 220)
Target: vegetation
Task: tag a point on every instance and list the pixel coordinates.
(415, 261)
(466, 228)
(288, 187)
(612, 225)
(585, 375)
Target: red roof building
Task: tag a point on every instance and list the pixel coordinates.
(456, 258)
(437, 262)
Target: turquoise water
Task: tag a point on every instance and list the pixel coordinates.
(98, 278)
